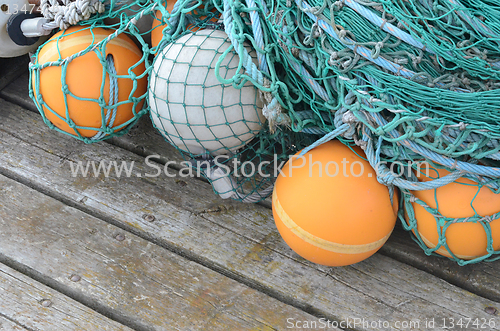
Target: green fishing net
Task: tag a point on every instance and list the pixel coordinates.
(206, 97)
(408, 81)
(442, 222)
(89, 80)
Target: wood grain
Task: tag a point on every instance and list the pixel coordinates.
(28, 305)
(7, 325)
(132, 277)
(236, 239)
(482, 279)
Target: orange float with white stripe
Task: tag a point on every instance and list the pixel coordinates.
(84, 79)
(338, 217)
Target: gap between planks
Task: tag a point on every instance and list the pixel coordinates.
(8, 324)
(33, 306)
(356, 291)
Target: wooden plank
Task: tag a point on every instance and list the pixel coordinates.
(8, 325)
(128, 275)
(482, 279)
(11, 68)
(236, 239)
(26, 304)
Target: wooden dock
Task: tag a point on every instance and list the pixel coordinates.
(161, 253)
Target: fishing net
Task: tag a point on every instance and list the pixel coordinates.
(410, 82)
(206, 95)
(89, 80)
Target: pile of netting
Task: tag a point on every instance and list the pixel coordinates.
(221, 131)
(408, 81)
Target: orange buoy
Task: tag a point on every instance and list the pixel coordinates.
(332, 210)
(157, 27)
(466, 240)
(84, 78)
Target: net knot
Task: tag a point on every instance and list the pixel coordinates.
(65, 89)
(272, 111)
(338, 5)
(349, 118)
(378, 47)
(71, 124)
(442, 241)
(487, 218)
(385, 176)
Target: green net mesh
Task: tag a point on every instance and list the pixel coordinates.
(206, 102)
(409, 82)
(457, 220)
(89, 81)
(239, 86)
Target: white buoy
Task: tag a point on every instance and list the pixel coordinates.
(191, 108)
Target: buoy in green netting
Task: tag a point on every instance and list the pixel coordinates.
(193, 109)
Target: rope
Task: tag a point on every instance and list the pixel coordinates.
(110, 116)
(63, 15)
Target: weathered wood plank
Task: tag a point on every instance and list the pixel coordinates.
(8, 325)
(482, 279)
(28, 305)
(237, 239)
(128, 275)
(11, 68)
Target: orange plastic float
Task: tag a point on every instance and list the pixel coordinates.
(465, 240)
(157, 28)
(333, 219)
(84, 77)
